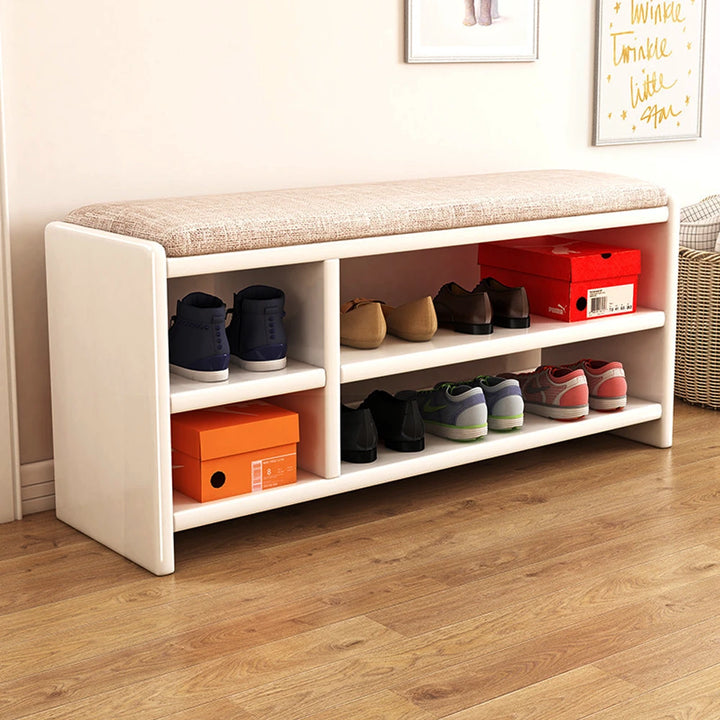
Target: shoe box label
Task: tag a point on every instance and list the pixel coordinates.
(610, 300)
(273, 471)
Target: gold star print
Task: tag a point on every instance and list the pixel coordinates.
(617, 7)
(624, 115)
(687, 99)
(608, 78)
(634, 128)
(678, 123)
(689, 46)
(689, 71)
(609, 115)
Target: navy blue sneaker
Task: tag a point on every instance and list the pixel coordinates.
(197, 340)
(256, 332)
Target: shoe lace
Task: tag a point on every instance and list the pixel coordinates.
(452, 387)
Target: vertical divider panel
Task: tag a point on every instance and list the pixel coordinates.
(331, 322)
(107, 312)
(312, 325)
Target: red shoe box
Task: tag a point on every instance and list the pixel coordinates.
(233, 449)
(565, 279)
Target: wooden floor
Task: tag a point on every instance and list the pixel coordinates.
(577, 581)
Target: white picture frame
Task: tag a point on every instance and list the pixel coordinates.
(471, 31)
(648, 71)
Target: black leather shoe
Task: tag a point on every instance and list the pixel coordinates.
(510, 307)
(358, 435)
(463, 311)
(398, 422)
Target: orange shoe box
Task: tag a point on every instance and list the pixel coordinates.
(566, 279)
(234, 449)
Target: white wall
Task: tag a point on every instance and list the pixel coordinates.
(116, 100)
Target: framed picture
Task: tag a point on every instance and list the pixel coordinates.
(648, 71)
(471, 30)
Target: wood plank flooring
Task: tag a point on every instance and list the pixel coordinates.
(576, 581)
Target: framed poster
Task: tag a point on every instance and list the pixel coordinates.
(648, 71)
(471, 30)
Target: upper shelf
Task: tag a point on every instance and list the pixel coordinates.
(448, 348)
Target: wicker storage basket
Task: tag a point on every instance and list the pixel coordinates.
(697, 350)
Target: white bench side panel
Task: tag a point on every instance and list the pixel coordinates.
(648, 357)
(107, 311)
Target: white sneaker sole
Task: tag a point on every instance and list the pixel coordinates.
(200, 375)
(452, 432)
(608, 404)
(259, 365)
(558, 413)
(505, 423)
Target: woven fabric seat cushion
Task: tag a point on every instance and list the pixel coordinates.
(275, 218)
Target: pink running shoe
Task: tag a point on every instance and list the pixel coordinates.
(555, 392)
(606, 383)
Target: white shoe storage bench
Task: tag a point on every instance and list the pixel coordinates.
(116, 270)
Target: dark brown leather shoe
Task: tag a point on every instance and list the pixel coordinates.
(510, 307)
(462, 310)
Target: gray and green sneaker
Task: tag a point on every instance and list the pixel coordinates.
(504, 401)
(452, 410)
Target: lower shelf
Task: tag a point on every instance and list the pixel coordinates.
(438, 455)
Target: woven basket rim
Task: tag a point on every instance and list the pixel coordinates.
(694, 254)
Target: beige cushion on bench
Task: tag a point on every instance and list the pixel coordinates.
(275, 218)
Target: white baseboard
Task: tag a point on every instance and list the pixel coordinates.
(37, 486)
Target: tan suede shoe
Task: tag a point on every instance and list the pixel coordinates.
(415, 321)
(362, 324)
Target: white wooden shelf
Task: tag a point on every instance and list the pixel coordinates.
(537, 431)
(437, 455)
(186, 394)
(189, 513)
(448, 347)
